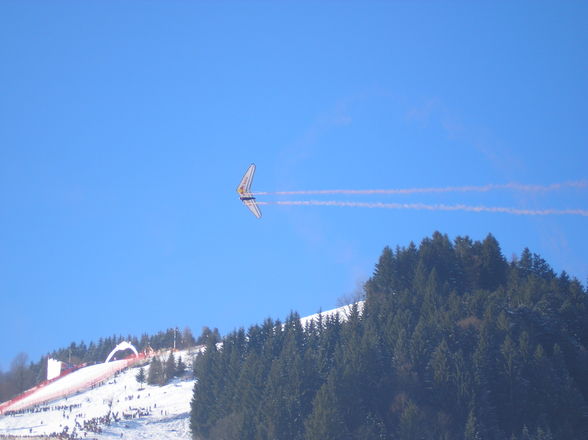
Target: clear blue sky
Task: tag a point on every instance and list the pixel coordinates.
(126, 126)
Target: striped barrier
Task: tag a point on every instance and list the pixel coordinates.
(56, 389)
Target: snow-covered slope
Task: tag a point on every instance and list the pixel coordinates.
(82, 378)
(343, 313)
(148, 412)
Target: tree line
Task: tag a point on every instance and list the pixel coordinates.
(162, 372)
(453, 342)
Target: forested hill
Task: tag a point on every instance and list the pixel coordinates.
(454, 342)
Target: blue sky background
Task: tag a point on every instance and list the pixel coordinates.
(125, 127)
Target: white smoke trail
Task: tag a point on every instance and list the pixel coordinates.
(438, 207)
(470, 188)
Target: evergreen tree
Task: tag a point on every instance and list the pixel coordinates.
(170, 370)
(442, 374)
(205, 411)
(326, 421)
(155, 375)
(181, 367)
(141, 378)
(493, 267)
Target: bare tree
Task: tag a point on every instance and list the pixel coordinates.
(19, 372)
(188, 339)
(356, 295)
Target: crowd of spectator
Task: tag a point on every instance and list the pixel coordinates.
(81, 427)
(95, 424)
(42, 409)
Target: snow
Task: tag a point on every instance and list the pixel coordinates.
(72, 381)
(162, 412)
(343, 313)
(165, 408)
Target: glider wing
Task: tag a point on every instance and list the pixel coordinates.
(252, 205)
(245, 185)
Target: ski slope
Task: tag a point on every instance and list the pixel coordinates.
(160, 412)
(143, 412)
(79, 379)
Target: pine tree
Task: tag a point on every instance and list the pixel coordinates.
(181, 367)
(326, 421)
(283, 408)
(493, 269)
(510, 366)
(155, 375)
(170, 367)
(441, 370)
(204, 405)
(141, 377)
(525, 263)
(383, 279)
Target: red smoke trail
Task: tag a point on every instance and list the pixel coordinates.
(470, 188)
(425, 207)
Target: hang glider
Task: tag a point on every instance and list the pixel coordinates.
(244, 190)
